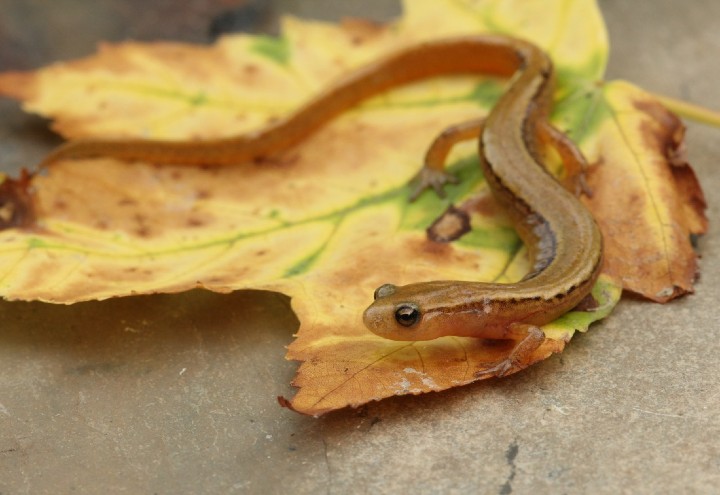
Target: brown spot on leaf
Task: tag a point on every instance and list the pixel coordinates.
(434, 248)
(688, 187)
(285, 160)
(195, 222)
(142, 230)
(203, 194)
(668, 136)
(636, 200)
(127, 201)
(451, 225)
(589, 303)
(362, 30)
(16, 203)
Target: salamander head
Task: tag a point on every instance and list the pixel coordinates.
(415, 312)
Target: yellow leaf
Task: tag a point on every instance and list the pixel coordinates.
(326, 223)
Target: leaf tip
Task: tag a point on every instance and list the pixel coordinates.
(18, 85)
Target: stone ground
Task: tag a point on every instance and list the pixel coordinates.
(166, 395)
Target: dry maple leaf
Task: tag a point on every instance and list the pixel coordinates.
(330, 221)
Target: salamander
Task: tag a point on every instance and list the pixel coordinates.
(564, 242)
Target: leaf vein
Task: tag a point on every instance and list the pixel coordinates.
(354, 375)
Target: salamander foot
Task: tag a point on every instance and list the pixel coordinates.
(529, 338)
(431, 178)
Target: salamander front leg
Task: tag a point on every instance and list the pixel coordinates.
(433, 172)
(528, 338)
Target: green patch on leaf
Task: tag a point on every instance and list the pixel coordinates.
(275, 49)
(580, 113)
(500, 238)
(487, 92)
(423, 211)
(606, 295)
(592, 70)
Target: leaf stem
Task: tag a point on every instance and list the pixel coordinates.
(690, 110)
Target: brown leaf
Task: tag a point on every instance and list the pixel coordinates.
(645, 196)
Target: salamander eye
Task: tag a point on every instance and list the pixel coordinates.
(407, 314)
(384, 291)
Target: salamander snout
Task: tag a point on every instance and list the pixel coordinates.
(390, 318)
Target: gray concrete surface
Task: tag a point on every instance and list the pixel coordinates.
(176, 394)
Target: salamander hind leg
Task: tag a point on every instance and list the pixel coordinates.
(528, 338)
(573, 160)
